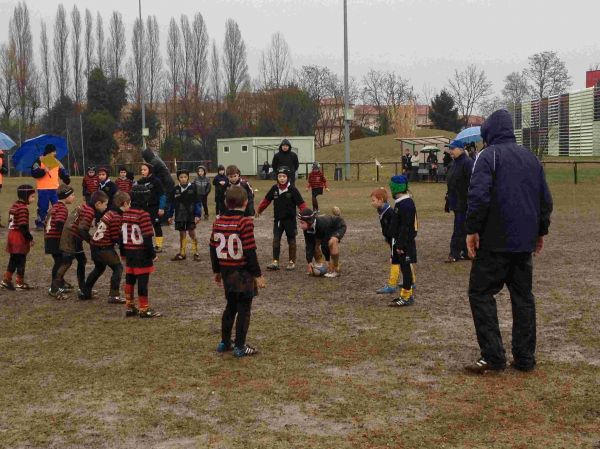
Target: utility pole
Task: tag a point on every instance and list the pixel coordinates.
(346, 102)
(83, 168)
(141, 86)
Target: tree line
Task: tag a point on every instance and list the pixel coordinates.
(200, 91)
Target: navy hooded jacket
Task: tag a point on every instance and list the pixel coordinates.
(509, 203)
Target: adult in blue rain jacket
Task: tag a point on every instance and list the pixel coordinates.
(508, 215)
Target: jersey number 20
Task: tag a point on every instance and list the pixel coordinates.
(233, 244)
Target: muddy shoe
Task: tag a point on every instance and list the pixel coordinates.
(67, 287)
(131, 312)
(273, 266)
(196, 257)
(8, 285)
(149, 313)
(115, 300)
(332, 274)
(83, 297)
(291, 266)
(245, 351)
(177, 257)
(386, 289)
(60, 294)
(224, 347)
(23, 286)
(482, 367)
(158, 249)
(401, 302)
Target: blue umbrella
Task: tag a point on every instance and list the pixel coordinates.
(32, 149)
(6, 143)
(469, 135)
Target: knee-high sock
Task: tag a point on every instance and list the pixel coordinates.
(394, 275)
(159, 241)
(335, 261)
(195, 245)
(182, 245)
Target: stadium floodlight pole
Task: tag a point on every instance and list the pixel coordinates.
(346, 102)
(141, 70)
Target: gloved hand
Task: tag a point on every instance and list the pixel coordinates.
(446, 205)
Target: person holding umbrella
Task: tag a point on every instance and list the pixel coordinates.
(48, 172)
(457, 180)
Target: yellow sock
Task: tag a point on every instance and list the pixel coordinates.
(195, 246)
(413, 270)
(394, 275)
(405, 294)
(159, 242)
(183, 245)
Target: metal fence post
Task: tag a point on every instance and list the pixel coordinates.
(395, 168)
(575, 172)
(358, 172)
(377, 167)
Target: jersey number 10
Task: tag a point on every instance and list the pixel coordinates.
(136, 234)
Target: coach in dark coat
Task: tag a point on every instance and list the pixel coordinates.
(508, 215)
(285, 157)
(457, 181)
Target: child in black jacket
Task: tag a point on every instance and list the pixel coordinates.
(403, 230)
(221, 183)
(286, 198)
(235, 179)
(185, 211)
(379, 198)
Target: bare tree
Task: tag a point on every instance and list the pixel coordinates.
(154, 61)
(100, 50)
(491, 105)
(76, 52)
(594, 67)
(275, 63)
(88, 43)
(187, 51)
(8, 70)
(326, 91)
(215, 73)
(373, 89)
(547, 74)
(469, 89)
(174, 58)
(515, 88)
(19, 32)
(199, 56)
(46, 80)
(61, 53)
(116, 44)
(137, 59)
(235, 64)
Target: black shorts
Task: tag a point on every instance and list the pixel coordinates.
(105, 255)
(411, 253)
(288, 226)
(185, 225)
(318, 191)
(52, 246)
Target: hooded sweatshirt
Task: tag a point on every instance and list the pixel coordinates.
(287, 159)
(509, 203)
(202, 183)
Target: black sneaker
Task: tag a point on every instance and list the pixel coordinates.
(68, 287)
(522, 368)
(8, 285)
(115, 300)
(245, 351)
(149, 313)
(82, 296)
(131, 312)
(224, 347)
(400, 302)
(482, 367)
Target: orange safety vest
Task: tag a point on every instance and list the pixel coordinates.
(50, 180)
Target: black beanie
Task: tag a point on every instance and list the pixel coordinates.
(50, 148)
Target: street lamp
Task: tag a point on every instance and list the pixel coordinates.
(347, 117)
(141, 86)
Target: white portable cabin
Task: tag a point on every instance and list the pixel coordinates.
(250, 153)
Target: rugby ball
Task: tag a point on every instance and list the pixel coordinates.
(319, 269)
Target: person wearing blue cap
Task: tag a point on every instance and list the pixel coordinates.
(403, 231)
(457, 181)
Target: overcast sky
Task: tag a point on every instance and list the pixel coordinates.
(424, 40)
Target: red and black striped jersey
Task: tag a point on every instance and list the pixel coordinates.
(85, 218)
(90, 184)
(55, 221)
(108, 231)
(124, 185)
(18, 215)
(232, 236)
(136, 226)
(316, 180)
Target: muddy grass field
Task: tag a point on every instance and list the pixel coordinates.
(337, 369)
